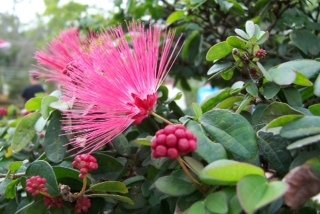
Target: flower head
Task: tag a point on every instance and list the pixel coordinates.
(114, 84)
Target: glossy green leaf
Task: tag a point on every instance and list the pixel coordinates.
(120, 198)
(282, 76)
(219, 67)
(207, 149)
(302, 80)
(228, 172)
(197, 208)
(175, 16)
(317, 86)
(265, 73)
(33, 104)
(109, 186)
(237, 42)
(229, 102)
(24, 132)
(174, 186)
(315, 109)
(270, 90)
(306, 126)
(217, 202)
(304, 142)
(197, 110)
(213, 101)
(252, 89)
(283, 120)
(218, 51)
(43, 169)
(232, 131)
(54, 142)
(250, 29)
(255, 192)
(45, 105)
(15, 166)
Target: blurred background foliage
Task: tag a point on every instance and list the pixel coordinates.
(293, 25)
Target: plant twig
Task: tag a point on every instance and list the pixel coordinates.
(161, 118)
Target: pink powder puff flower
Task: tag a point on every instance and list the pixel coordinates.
(116, 83)
(58, 58)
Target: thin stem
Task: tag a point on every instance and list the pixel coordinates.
(161, 118)
(189, 175)
(84, 186)
(12, 176)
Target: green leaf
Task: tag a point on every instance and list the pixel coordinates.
(273, 150)
(63, 173)
(212, 102)
(255, 192)
(175, 16)
(197, 208)
(218, 51)
(306, 126)
(219, 67)
(174, 186)
(143, 141)
(191, 47)
(217, 202)
(250, 29)
(315, 109)
(265, 73)
(283, 120)
(306, 41)
(11, 191)
(304, 142)
(228, 74)
(45, 105)
(33, 104)
(308, 68)
(293, 97)
(15, 166)
(109, 186)
(229, 102)
(207, 149)
(228, 172)
(282, 76)
(232, 131)
(120, 198)
(43, 169)
(270, 90)
(24, 132)
(302, 80)
(121, 145)
(195, 165)
(54, 143)
(316, 90)
(242, 34)
(114, 166)
(197, 110)
(237, 42)
(252, 88)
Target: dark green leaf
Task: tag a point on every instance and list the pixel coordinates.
(232, 131)
(219, 67)
(212, 102)
(270, 90)
(207, 149)
(197, 208)
(293, 96)
(24, 132)
(304, 142)
(252, 88)
(54, 142)
(44, 170)
(306, 41)
(120, 198)
(109, 167)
